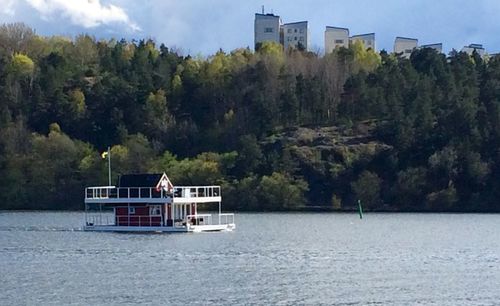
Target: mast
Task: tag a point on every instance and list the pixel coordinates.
(109, 166)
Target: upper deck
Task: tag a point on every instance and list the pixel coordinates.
(180, 194)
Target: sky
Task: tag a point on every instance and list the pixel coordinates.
(201, 27)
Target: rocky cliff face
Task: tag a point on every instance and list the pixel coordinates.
(328, 158)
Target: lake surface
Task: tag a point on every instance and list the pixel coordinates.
(287, 259)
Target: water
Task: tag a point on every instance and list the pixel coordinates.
(385, 259)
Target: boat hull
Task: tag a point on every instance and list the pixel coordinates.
(160, 229)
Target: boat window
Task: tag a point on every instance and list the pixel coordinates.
(155, 211)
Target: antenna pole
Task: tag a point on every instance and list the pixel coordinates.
(262, 10)
(109, 166)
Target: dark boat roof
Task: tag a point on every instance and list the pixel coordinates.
(139, 180)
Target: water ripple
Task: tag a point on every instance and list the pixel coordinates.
(271, 259)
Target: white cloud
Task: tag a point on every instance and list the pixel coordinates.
(7, 7)
(198, 26)
(86, 13)
(206, 25)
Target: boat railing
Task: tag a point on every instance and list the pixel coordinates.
(123, 220)
(184, 192)
(206, 219)
(131, 220)
(226, 218)
(112, 192)
(99, 220)
(196, 191)
(199, 219)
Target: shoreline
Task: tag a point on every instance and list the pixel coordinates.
(312, 210)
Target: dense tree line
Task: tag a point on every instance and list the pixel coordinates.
(214, 120)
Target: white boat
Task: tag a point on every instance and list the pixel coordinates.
(150, 203)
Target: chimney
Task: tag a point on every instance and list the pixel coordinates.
(262, 10)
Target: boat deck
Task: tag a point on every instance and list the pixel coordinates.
(180, 194)
(192, 223)
(180, 201)
(161, 229)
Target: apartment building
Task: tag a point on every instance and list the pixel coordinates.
(405, 46)
(438, 47)
(336, 37)
(368, 40)
(296, 34)
(267, 27)
(474, 47)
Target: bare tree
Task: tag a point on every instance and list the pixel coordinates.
(15, 37)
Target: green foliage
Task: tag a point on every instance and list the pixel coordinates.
(246, 196)
(336, 202)
(367, 189)
(139, 154)
(418, 134)
(250, 154)
(364, 59)
(281, 192)
(77, 99)
(120, 160)
(158, 119)
(85, 51)
(53, 178)
(22, 65)
(411, 187)
(206, 169)
(442, 200)
(272, 49)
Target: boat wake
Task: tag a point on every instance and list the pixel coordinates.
(39, 229)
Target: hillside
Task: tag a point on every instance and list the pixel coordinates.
(278, 130)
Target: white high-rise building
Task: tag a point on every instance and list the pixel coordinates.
(438, 47)
(405, 46)
(336, 37)
(474, 47)
(296, 34)
(368, 40)
(267, 27)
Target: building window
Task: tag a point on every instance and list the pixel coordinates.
(301, 30)
(268, 30)
(339, 41)
(289, 30)
(301, 38)
(289, 38)
(295, 38)
(408, 51)
(131, 210)
(368, 42)
(295, 30)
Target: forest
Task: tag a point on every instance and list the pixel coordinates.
(277, 129)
